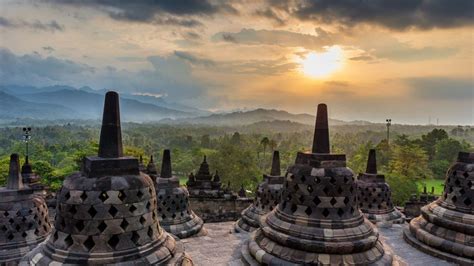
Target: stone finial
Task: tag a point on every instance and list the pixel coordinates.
(242, 192)
(14, 180)
(371, 163)
(141, 159)
(217, 178)
(321, 130)
(166, 165)
(110, 144)
(275, 164)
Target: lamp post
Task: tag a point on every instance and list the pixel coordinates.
(389, 123)
(26, 137)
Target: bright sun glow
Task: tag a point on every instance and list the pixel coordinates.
(318, 65)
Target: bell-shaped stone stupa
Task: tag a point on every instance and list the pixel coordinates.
(106, 214)
(317, 221)
(445, 228)
(375, 196)
(267, 197)
(24, 221)
(174, 212)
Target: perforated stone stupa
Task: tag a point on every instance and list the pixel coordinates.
(445, 227)
(106, 213)
(375, 196)
(203, 184)
(24, 221)
(267, 197)
(174, 212)
(317, 220)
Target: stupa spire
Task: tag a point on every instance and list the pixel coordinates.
(321, 130)
(110, 144)
(371, 163)
(275, 164)
(14, 178)
(166, 165)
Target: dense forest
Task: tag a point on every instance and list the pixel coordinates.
(414, 155)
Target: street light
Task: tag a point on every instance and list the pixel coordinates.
(26, 137)
(389, 123)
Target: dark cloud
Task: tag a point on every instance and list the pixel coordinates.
(272, 15)
(149, 11)
(441, 88)
(277, 37)
(48, 49)
(399, 15)
(174, 21)
(51, 26)
(195, 60)
(35, 69)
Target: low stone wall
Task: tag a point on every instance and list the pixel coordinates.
(219, 209)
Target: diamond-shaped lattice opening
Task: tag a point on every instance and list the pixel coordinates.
(135, 237)
(457, 182)
(148, 205)
(351, 189)
(5, 214)
(103, 196)
(163, 216)
(113, 241)
(303, 178)
(462, 191)
(68, 241)
(340, 212)
(102, 226)
(89, 243)
(55, 236)
(150, 232)
(316, 201)
(326, 190)
(142, 220)
(346, 179)
(317, 180)
(132, 208)
(18, 213)
(301, 199)
(67, 195)
(24, 234)
(10, 236)
(18, 227)
(340, 190)
(352, 210)
(308, 211)
(92, 212)
(79, 225)
(466, 174)
(370, 205)
(454, 199)
(83, 196)
(468, 202)
(124, 224)
(139, 194)
(346, 200)
(73, 210)
(332, 180)
(325, 212)
(121, 195)
(3, 228)
(294, 207)
(309, 188)
(30, 225)
(333, 201)
(160, 197)
(113, 211)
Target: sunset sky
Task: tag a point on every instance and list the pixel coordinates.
(368, 60)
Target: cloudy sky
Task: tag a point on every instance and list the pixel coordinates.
(407, 59)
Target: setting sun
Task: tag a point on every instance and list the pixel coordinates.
(319, 65)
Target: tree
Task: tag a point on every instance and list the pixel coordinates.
(358, 162)
(402, 188)
(428, 141)
(409, 161)
(448, 149)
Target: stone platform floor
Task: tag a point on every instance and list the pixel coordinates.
(221, 246)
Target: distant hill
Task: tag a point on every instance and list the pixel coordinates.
(12, 107)
(255, 116)
(90, 105)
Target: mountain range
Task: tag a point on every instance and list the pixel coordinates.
(65, 102)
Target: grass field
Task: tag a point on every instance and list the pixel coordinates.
(438, 184)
